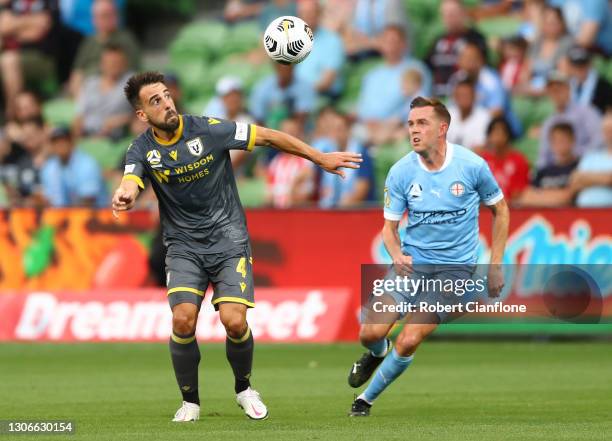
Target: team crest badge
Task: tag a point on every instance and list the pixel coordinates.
(154, 158)
(195, 146)
(457, 189)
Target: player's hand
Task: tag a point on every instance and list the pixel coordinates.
(333, 162)
(402, 265)
(123, 200)
(495, 280)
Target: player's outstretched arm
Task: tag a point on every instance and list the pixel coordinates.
(125, 196)
(330, 162)
(501, 221)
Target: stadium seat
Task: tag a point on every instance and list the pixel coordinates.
(104, 151)
(252, 192)
(384, 157)
(499, 27)
(354, 74)
(242, 37)
(531, 111)
(59, 111)
(194, 78)
(529, 147)
(205, 39)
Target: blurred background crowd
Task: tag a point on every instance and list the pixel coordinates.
(528, 85)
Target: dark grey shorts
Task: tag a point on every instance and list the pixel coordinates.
(188, 275)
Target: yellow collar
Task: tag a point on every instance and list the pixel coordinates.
(175, 138)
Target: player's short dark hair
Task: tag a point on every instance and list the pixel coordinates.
(438, 106)
(563, 127)
(137, 82)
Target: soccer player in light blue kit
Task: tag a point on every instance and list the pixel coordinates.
(441, 186)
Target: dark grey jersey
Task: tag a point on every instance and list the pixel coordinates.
(194, 182)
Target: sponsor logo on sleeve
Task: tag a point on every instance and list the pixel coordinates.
(129, 168)
(242, 130)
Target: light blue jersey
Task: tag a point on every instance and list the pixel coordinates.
(442, 205)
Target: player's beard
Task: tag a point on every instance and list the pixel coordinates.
(167, 125)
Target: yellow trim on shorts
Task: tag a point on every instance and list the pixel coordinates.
(234, 300)
(182, 341)
(186, 289)
(136, 179)
(244, 338)
(252, 135)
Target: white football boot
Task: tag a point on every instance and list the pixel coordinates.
(250, 401)
(187, 412)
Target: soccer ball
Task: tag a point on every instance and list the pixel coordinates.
(288, 40)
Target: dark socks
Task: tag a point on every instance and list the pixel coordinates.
(185, 355)
(239, 353)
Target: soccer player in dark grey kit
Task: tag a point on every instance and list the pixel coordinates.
(186, 159)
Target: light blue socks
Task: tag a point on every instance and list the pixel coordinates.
(379, 348)
(391, 368)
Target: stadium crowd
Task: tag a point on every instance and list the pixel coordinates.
(527, 84)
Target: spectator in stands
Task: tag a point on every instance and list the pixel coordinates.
(338, 15)
(238, 10)
(509, 166)
(380, 96)
(289, 177)
(274, 9)
(533, 16)
(358, 186)
(394, 129)
(469, 121)
(19, 170)
(443, 56)
(323, 67)
(371, 18)
(281, 95)
(587, 86)
(102, 110)
(171, 80)
(584, 119)
(589, 22)
(490, 92)
(592, 180)
(229, 104)
(550, 187)
(70, 177)
(27, 34)
(490, 9)
(106, 22)
(545, 52)
(513, 60)
(27, 108)
(79, 15)
(31, 137)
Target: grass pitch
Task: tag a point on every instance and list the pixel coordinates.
(452, 391)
